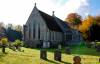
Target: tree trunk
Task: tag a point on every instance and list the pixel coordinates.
(3, 49)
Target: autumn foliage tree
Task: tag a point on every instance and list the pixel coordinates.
(94, 31)
(89, 27)
(97, 20)
(4, 42)
(86, 24)
(74, 19)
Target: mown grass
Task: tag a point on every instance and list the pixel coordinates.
(84, 50)
(32, 56)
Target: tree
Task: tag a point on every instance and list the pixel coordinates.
(9, 26)
(13, 35)
(4, 42)
(2, 24)
(94, 32)
(90, 28)
(2, 30)
(74, 19)
(17, 44)
(18, 28)
(85, 26)
(97, 20)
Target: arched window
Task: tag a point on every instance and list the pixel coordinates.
(33, 30)
(69, 36)
(29, 31)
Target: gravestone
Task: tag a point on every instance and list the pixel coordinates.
(57, 55)
(98, 48)
(46, 45)
(59, 47)
(43, 54)
(77, 60)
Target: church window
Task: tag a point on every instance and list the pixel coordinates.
(68, 37)
(33, 30)
(29, 31)
(38, 31)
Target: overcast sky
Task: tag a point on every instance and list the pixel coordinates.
(18, 11)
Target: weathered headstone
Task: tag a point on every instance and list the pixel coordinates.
(59, 47)
(77, 60)
(98, 48)
(93, 44)
(57, 55)
(46, 44)
(43, 54)
(68, 50)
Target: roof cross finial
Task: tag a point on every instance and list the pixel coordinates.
(35, 4)
(53, 13)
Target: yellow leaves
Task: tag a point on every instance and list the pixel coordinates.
(4, 41)
(86, 24)
(70, 20)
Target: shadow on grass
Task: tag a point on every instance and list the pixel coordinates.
(3, 54)
(77, 50)
(65, 62)
(51, 61)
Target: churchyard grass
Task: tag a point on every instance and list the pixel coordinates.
(32, 56)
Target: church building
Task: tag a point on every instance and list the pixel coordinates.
(43, 30)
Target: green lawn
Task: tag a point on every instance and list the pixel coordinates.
(32, 56)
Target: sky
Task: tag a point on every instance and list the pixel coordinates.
(18, 11)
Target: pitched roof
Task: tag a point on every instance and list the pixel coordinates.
(50, 22)
(64, 26)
